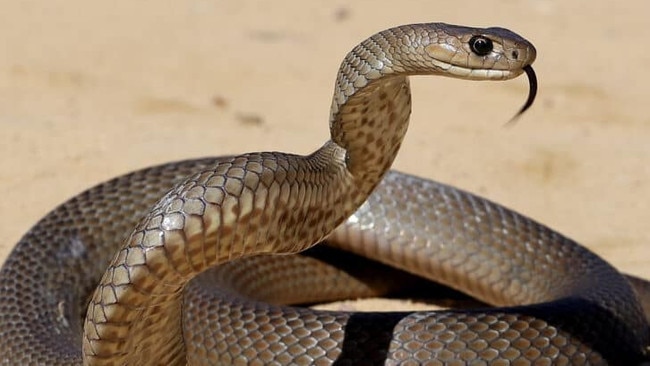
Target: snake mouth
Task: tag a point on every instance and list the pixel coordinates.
(469, 73)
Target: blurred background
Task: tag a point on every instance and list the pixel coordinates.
(91, 90)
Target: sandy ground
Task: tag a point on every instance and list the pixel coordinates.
(91, 90)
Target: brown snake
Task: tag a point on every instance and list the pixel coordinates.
(567, 305)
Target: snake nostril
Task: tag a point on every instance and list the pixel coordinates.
(481, 45)
(515, 54)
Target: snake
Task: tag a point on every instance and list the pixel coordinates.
(180, 263)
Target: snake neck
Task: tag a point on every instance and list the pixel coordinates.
(370, 125)
(371, 108)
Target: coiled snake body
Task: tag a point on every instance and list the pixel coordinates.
(147, 310)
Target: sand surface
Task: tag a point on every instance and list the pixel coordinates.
(91, 90)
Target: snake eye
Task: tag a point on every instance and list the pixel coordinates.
(480, 45)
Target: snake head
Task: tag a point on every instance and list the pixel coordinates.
(478, 53)
(460, 52)
(483, 54)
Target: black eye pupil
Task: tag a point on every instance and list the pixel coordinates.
(480, 45)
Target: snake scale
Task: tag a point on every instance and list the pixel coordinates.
(118, 275)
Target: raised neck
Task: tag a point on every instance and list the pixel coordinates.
(370, 125)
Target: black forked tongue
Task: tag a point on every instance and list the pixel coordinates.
(532, 93)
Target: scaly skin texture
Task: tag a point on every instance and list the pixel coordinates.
(213, 211)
